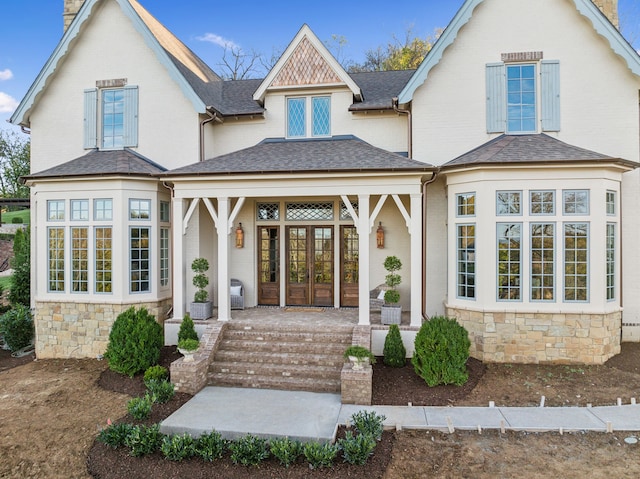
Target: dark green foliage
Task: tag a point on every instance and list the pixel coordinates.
(156, 372)
(20, 289)
(178, 447)
(140, 408)
(369, 423)
(134, 342)
(286, 450)
(17, 220)
(188, 345)
(359, 352)
(395, 354)
(143, 440)
(16, 326)
(210, 446)
(200, 280)
(249, 450)
(320, 455)
(115, 435)
(357, 449)
(441, 352)
(160, 390)
(187, 329)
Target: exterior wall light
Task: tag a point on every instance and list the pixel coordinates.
(239, 236)
(380, 236)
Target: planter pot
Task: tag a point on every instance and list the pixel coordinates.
(201, 310)
(391, 314)
(358, 363)
(188, 354)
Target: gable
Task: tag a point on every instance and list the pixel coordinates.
(306, 62)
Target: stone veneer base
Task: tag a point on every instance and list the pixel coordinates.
(81, 330)
(513, 337)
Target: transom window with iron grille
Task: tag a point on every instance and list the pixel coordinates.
(309, 211)
(344, 211)
(268, 212)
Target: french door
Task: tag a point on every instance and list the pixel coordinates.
(310, 276)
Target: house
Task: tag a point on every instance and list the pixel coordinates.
(503, 172)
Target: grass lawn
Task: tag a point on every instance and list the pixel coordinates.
(5, 282)
(25, 215)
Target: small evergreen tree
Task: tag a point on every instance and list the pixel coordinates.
(187, 329)
(395, 353)
(20, 292)
(441, 352)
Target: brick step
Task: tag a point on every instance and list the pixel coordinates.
(282, 347)
(273, 382)
(285, 358)
(289, 336)
(275, 370)
(293, 327)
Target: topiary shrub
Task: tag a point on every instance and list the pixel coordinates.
(395, 354)
(441, 352)
(17, 220)
(16, 326)
(134, 342)
(187, 329)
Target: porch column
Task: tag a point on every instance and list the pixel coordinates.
(364, 230)
(178, 258)
(224, 304)
(416, 259)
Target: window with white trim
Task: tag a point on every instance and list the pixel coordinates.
(165, 212)
(611, 203)
(139, 260)
(576, 262)
(521, 99)
(111, 115)
(164, 256)
(55, 259)
(466, 204)
(611, 261)
(139, 209)
(543, 262)
(79, 210)
(103, 259)
(542, 202)
(508, 203)
(103, 209)
(509, 245)
(80, 259)
(308, 117)
(466, 261)
(55, 210)
(575, 202)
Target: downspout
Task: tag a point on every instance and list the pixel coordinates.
(171, 259)
(402, 111)
(424, 242)
(212, 116)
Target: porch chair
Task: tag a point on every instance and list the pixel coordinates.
(376, 297)
(237, 294)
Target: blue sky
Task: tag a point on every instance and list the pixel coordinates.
(30, 30)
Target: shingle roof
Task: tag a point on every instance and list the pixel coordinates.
(515, 149)
(379, 88)
(99, 163)
(277, 155)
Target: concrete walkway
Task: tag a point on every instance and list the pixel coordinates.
(306, 416)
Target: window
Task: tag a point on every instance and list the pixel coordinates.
(55, 210)
(79, 260)
(139, 254)
(111, 116)
(466, 204)
(513, 92)
(164, 256)
(55, 259)
(103, 262)
(509, 261)
(298, 121)
(575, 202)
(542, 202)
(103, 209)
(611, 203)
(165, 212)
(521, 98)
(508, 203)
(466, 261)
(139, 209)
(611, 261)
(542, 262)
(576, 262)
(309, 211)
(268, 212)
(79, 210)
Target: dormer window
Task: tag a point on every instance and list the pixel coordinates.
(308, 116)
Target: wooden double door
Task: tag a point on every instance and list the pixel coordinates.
(310, 259)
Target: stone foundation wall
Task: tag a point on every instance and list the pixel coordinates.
(81, 330)
(511, 337)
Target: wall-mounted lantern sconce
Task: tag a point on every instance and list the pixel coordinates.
(380, 236)
(239, 236)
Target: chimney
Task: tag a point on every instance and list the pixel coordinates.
(71, 8)
(610, 9)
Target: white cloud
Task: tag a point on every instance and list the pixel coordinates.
(8, 104)
(218, 40)
(6, 74)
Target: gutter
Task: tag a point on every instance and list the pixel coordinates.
(212, 116)
(402, 111)
(424, 242)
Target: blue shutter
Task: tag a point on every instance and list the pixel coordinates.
(496, 98)
(90, 118)
(550, 86)
(130, 133)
